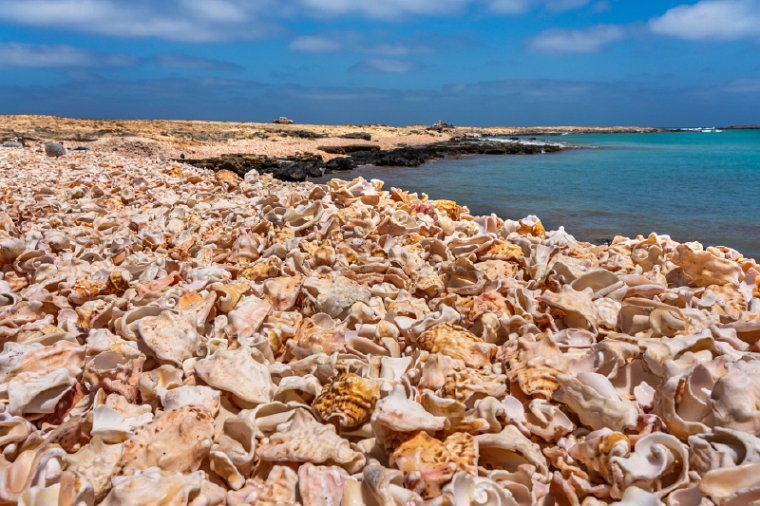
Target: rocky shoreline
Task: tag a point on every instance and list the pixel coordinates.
(350, 156)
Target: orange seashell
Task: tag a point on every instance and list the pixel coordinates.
(457, 342)
(502, 250)
(426, 463)
(349, 399)
(228, 178)
(463, 448)
(261, 270)
(449, 207)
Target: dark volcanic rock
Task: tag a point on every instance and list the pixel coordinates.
(413, 156)
(295, 168)
(298, 168)
(364, 136)
(349, 148)
(340, 164)
(12, 144)
(301, 134)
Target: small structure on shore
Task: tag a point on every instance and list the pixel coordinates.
(440, 126)
(282, 120)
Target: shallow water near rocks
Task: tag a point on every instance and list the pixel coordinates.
(692, 186)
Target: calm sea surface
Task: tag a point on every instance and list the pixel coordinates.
(692, 186)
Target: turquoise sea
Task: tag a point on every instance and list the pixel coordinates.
(690, 185)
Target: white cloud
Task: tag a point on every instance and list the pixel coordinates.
(385, 66)
(15, 55)
(315, 44)
(181, 20)
(589, 40)
(710, 20)
(215, 20)
(384, 9)
(522, 6)
(509, 6)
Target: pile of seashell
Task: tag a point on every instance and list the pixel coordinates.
(174, 336)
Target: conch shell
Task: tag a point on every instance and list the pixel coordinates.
(303, 439)
(595, 401)
(178, 440)
(349, 400)
(235, 371)
(458, 343)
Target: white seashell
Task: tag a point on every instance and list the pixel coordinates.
(595, 401)
(153, 384)
(383, 486)
(468, 490)
(116, 420)
(659, 461)
(33, 467)
(397, 413)
(153, 487)
(321, 485)
(634, 496)
(95, 462)
(509, 449)
(335, 297)
(732, 486)
(235, 371)
(735, 397)
(232, 454)
(169, 336)
(189, 395)
(71, 490)
(248, 316)
(546, 420)
(722, 448)
(40, 393)
(303, 439)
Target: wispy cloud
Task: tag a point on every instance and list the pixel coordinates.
(386, 66)
(589, 40)
(522, 6)
(16, 55)
(315, 44)
(194, 63)
(385, 9)
(215, 20)
(181, 20)
(710, 20)
(744, 86)
(353, 42)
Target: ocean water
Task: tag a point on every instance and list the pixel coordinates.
(690, 185)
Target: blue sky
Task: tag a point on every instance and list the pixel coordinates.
(478, 62)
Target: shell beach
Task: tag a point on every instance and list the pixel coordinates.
(173, 335)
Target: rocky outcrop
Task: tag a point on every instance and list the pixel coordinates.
(364, 136)
(414, 156)
(349, 148)
(298, 168)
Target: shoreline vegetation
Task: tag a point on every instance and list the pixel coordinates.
(289, 151)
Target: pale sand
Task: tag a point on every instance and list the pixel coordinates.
(204, 139)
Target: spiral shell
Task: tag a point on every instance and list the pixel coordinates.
(349, 400)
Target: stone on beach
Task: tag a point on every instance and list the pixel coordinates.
(54, 149)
